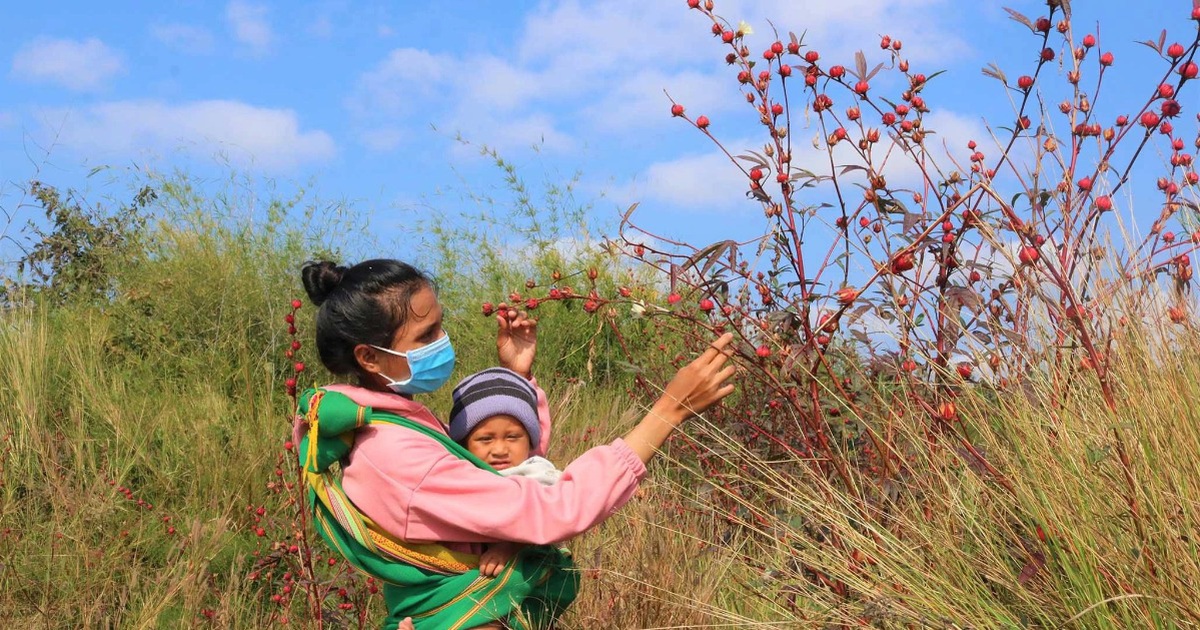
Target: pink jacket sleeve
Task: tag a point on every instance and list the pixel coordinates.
(543, 412)
(411, 486)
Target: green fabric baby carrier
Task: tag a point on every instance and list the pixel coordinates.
(439, 588)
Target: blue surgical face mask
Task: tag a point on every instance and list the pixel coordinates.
(429, 367)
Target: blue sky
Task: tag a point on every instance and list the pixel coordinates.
(345, 95)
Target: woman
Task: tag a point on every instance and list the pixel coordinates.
(418, 498)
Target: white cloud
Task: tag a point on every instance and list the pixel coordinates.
(186, 38)
(838, 29)
(568, 66)
(321, 27)
(639, 99)
(270, 139)
(710, 181)
(79, 65)
(524, 132)
(393, 86)
(250, 26)
(502, 85)
(389, 97)
(383, 138)
(697, 182)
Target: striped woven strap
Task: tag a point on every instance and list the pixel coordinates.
(429, 556)
(327, 489)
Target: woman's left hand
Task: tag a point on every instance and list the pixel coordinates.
(516, 340)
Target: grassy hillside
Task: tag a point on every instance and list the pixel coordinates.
(146, 483)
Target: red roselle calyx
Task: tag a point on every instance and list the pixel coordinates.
(903, 262)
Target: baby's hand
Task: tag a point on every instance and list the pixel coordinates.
(496, 556)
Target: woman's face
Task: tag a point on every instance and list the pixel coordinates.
(423, 327)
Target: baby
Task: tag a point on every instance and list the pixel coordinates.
(495, 417)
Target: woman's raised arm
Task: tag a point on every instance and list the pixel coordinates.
(696, 387)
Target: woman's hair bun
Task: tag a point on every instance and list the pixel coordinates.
(320, 279)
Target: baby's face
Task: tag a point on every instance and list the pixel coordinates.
(501, 441)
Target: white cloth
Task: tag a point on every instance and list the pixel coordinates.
(538, 468)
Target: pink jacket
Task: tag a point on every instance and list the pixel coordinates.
(416, 490)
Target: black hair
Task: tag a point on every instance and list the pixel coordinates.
(365, 303)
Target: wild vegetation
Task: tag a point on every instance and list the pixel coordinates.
(965, 396)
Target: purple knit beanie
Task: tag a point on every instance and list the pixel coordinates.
(492, 392)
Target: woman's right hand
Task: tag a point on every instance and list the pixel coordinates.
(696, 387)
(699, 384)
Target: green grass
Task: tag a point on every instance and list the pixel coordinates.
(163, 407)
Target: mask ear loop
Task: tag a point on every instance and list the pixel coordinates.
(403, 355)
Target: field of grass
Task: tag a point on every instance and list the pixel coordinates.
(145, 482)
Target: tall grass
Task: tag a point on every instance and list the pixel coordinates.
(145, 481)
(1050, 514)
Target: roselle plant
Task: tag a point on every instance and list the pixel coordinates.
(894, 275)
